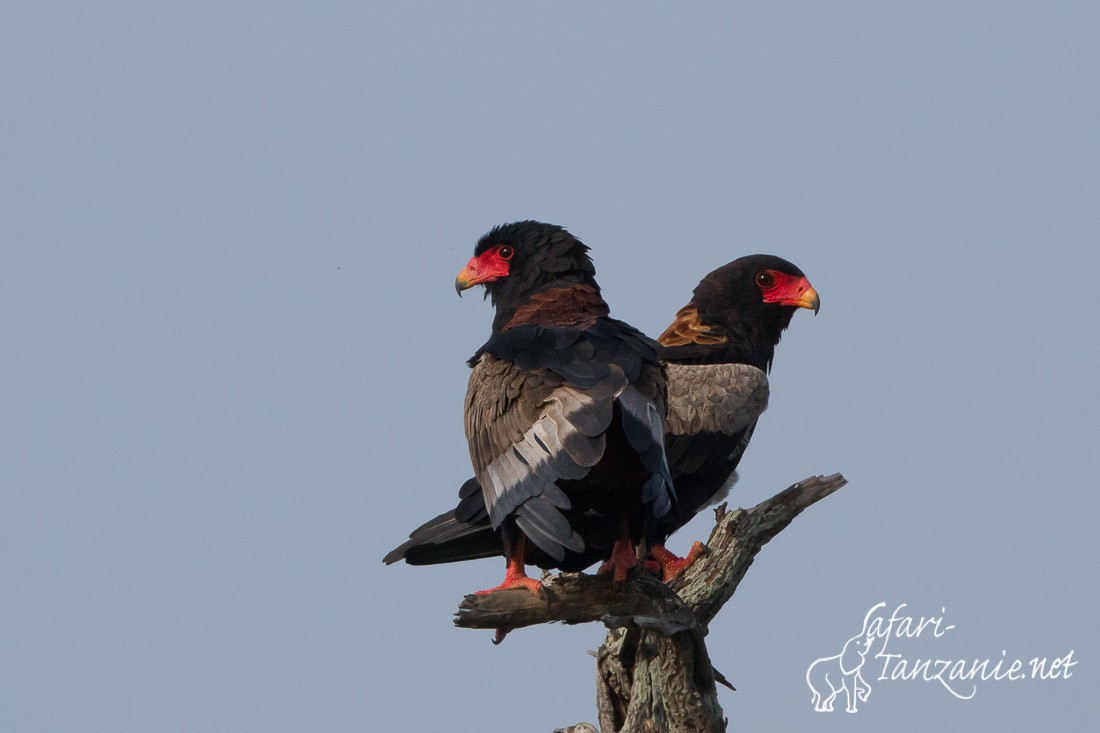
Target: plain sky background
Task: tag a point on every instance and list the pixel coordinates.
(233, 359)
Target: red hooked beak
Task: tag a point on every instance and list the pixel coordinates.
(467, 277)
(486, 268)
(794, 291)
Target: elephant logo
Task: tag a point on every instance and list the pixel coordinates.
(829, 676)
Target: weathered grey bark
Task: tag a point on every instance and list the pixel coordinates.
(653, 672)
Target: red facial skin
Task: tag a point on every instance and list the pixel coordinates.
(787, 289)
(488, 266)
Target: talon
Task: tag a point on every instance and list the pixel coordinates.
(673, 566)
(515, 576)
(511, 582)
(623, 560)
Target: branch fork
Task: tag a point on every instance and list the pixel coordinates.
(653, 670)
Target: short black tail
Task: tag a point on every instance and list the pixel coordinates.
(446, 539)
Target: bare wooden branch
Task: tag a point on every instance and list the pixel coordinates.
(578, 728)
(653, 672)
(736, 539)
(674, 690)
(575, 598)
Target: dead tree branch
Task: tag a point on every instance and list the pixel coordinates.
(653, 672)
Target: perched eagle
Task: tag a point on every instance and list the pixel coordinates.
(717, 353)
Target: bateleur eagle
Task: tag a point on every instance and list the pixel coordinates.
(717, 353)
(564, 410)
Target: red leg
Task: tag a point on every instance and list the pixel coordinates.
(623, 557)
(672, 566)
(515, 576)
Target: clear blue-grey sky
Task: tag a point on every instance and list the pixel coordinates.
(233, 361)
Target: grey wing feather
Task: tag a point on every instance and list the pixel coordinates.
(644, 428)
(526, 438)
(720, 398)
(547, 527)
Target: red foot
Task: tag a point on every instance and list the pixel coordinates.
(672, 566)
(515, 576)
(515, 581)
(623, 558)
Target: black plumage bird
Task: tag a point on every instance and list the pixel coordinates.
(717, 353)
(564, 410)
